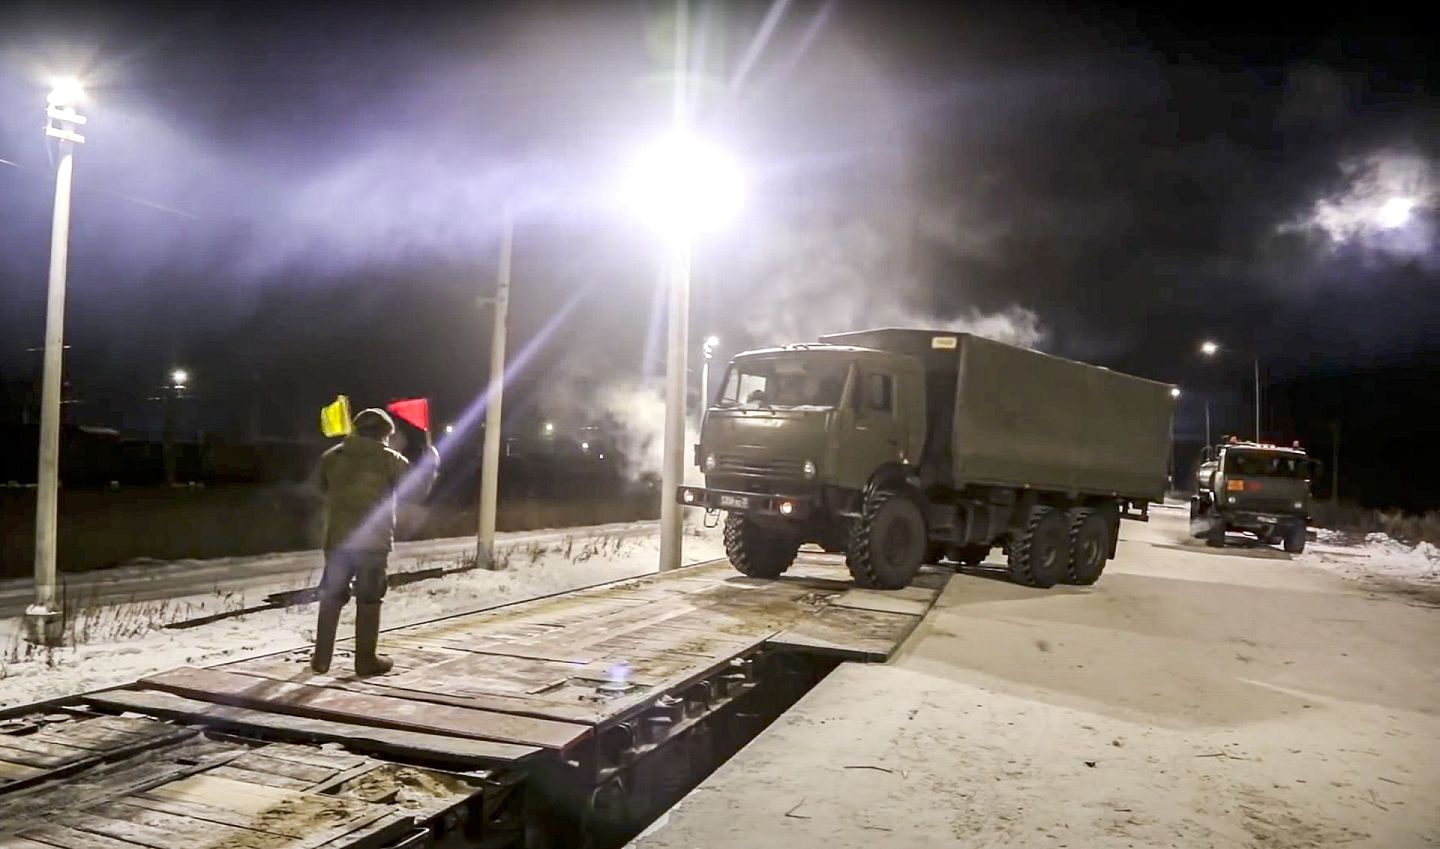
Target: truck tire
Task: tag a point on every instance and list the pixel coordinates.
(887, 543)
(756, 551)
(1089, 543)
(1215, 537)
(968, 555)
(1295, 540)
(1041, 556)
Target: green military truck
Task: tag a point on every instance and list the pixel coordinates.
(900, 447)
(1254, 488)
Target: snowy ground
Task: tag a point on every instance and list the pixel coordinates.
(1374, 556)
(118, 639)
(1194, 697)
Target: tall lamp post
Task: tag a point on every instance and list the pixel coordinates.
(1211, 348)
(490, 459)
(1174, 393)
(683, 185)
(43, 619)
(179, 379)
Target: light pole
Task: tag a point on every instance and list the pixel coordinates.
(711, 343)
(43, 619)
(1170, 476)
(179, 379)
(1211, 348)
(490, 459)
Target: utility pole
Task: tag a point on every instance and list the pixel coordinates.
(1335, 462)
(1209, 443)
(672, 473)
(44, 618)
(490, 459)
(711, 343)
(1257, 396)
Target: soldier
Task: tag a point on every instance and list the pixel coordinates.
(359, 478)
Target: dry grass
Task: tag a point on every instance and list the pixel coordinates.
(1348, 517)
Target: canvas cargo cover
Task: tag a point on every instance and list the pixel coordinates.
(1009, 416)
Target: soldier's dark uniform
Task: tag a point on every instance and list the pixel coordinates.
(359, 478)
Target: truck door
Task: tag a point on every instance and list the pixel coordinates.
(878, 438)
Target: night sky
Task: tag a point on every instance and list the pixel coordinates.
(295, 201)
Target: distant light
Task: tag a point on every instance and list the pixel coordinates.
(65, 91)
(549, 428)
(179, 377)
(712, 341)
(1209, 348)
(1394, 213)
(683, 184)
(449, 428)
(1174, 392)
(584, 446)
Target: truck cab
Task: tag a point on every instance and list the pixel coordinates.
(1254, 488)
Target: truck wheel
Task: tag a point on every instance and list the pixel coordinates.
(1215, 537)
(1041, 556)
(756, 551)
(888, 542)
(969, 555)
(1089, 543)
(1295, 540)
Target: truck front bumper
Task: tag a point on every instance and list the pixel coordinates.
(1263, 522)
(786, 506)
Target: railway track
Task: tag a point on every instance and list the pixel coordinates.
(570, 720)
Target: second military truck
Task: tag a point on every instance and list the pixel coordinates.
(900, 447)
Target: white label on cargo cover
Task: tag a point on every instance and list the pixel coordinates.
(945, 342)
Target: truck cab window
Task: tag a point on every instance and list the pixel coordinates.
(879, 395)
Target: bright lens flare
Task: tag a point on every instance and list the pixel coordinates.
(180, 377)
(1209, 349)
(1394, 213)
(683, 185)
(66, 91)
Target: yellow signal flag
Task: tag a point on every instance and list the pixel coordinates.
(335, 417)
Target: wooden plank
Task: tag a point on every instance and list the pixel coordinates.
(364, 709)
(260, 761)
(847, 633)
(65, 837)
(138, 833)
(382, 740)
(28, 743)
(15, 772)
(250, 776)
(213, 813)
(25, 757)
(881, 602)
(180, 830)
(21, 843)
(330, 757)
(208, 788)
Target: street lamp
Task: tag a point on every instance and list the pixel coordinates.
(681, 186)
(43, 619)
(179, 377)
(1211, 348)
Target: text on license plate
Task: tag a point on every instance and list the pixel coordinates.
(735, 502)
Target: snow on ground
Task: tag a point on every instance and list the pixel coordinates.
(1377, 556)
(112, 644)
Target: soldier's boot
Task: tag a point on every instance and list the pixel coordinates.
(325, 625)
(367, 635)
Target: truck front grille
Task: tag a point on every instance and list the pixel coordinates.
(732, 464)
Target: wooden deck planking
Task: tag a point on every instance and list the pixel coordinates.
(365, 709)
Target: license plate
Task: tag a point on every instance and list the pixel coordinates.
(735, 502)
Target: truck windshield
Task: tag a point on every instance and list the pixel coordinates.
(1265, 464)
(769, 382)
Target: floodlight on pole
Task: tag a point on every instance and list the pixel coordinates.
(179, 378)
(1210, 348)
(44, 619)
(1394, 213)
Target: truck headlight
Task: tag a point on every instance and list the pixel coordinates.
(1230, 500)
(1299, 505)
(809, 470)
(710, 462)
